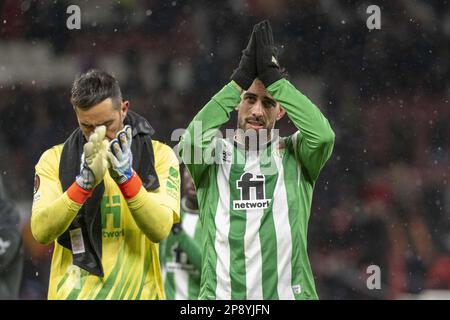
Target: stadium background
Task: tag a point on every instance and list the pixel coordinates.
(384, 196)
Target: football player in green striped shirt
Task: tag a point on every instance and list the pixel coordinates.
(255, 198)
(180, 252)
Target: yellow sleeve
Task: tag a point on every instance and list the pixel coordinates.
(52, 210)
(155, 212)
(168, 169)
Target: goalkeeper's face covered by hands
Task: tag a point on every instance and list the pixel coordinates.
(258, 110)
(104, 113)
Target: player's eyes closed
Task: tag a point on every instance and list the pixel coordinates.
(92, 127)
(87, 127)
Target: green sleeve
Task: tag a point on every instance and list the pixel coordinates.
(315, 141)
(192, 249)
(197, 143)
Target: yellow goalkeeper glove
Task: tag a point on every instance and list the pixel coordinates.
(94, 161)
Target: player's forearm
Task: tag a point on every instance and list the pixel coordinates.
(49, 221)
(214, 114)
(151, 215)
(196, 144)
(315, 128)
(148, 210)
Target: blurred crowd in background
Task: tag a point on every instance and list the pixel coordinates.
(383, 198)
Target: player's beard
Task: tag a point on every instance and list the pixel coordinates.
(243, 123)
(262, 135)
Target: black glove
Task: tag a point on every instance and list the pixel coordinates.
(267, 67)
(246, 72)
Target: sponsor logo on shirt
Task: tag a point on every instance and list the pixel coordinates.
(174, 266)
(181, 261)
(111, 217)
(253, 192)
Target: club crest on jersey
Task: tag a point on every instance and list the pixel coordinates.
(253, 192)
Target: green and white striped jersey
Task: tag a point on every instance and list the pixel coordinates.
(180, 256)
(255, 205)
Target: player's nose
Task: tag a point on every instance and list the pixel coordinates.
(257, 109)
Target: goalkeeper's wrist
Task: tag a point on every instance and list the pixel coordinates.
(78, 194)
(131, 187)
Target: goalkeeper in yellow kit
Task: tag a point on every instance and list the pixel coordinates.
(105, 197)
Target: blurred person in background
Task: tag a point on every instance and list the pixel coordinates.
(106, 198)
(36, 269)
(181, 251)
(11, 252)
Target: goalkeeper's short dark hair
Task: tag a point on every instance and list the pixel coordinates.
(94, 86)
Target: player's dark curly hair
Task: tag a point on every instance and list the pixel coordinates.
(94, 86)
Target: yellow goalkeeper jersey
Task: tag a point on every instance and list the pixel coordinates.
(130, 260)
